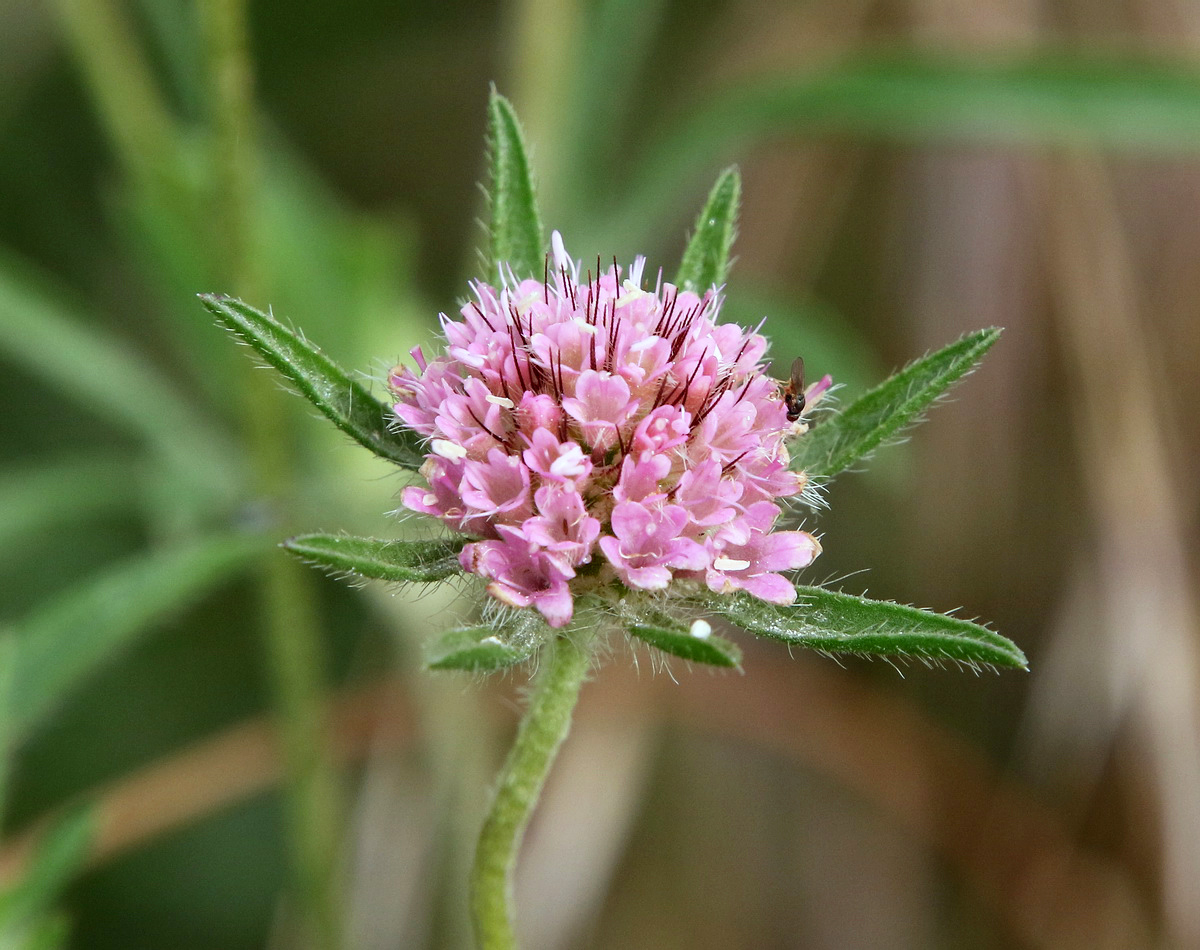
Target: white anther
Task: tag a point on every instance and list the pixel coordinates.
(448, 450)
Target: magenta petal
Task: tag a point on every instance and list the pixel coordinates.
(774, 588)
(415, 498)
(556, 605)
(611, 548)
(654, 577)
(687, 555)
(787, 550)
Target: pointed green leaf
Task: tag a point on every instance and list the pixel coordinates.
(57, 858)
(695, 643)
(832, 622)
(342, 400)
(836, 442)
(67, 638)
(516, 227)
(706, 260)
(383, 560)
(485, 649)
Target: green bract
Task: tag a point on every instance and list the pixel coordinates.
(372, 558)
(319, 379)
(516, 228)
(706, 259)
(871, 420)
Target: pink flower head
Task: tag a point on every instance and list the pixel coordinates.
(576, 419)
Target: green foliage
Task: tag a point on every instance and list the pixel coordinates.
(58, 856)
(664, 633)
(321, 381)
(385, 560)
(63, 347)
(516, 226)
(67, 638)
(706, 259)
(62, 492)
(26, 907)
(837, 442)
(1052, 98)
(833, 622)
(8, 665)
(486, 649)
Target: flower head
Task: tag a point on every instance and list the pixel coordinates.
(588, 421)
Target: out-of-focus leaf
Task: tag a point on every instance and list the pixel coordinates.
(832, 622)
(8, 663)
(63, 641)
(49, 933)
(1048, 99)
(836, 442)
(127, 99)
(706, 259)
(57, 859)
(485, 649)
(669, 635)
(516, 227)
(322, 382)
(385, 560)
(63, 491)
(49, 338)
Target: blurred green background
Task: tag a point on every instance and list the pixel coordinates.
(913, 170)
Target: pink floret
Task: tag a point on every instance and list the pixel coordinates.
(591, 417)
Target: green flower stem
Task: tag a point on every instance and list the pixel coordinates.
(294, 649)
(520, 783)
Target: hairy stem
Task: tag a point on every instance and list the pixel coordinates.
(541, 732)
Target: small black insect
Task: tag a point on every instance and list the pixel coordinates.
(793, 390)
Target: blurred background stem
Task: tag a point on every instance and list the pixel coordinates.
(139, 127)
(292, 633)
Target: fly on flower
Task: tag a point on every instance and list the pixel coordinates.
(590, 431)
(793, 390)
(799, 400)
